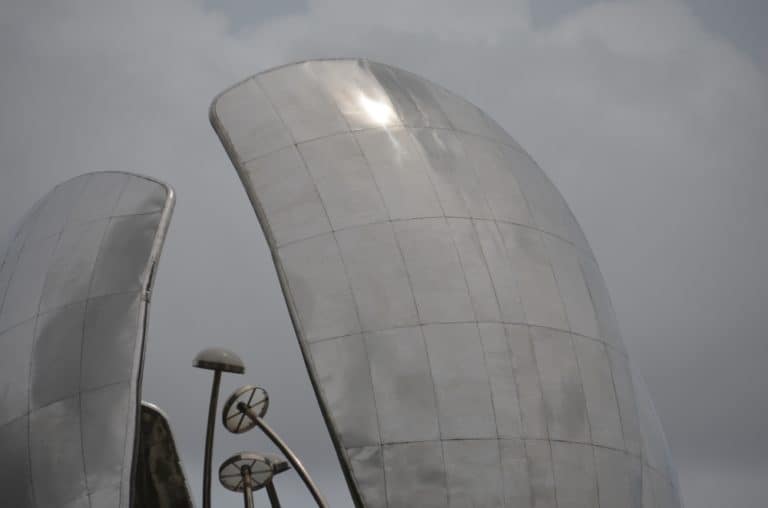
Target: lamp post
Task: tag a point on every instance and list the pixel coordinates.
(246, 472)
(218, 360)
(244, 409)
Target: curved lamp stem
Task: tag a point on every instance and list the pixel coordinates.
(292, 458)
(209, 439)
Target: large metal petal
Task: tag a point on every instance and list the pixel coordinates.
(74, 290)
(458, 331)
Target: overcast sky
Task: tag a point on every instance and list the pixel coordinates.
(650, 116)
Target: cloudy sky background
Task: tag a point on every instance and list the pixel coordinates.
(651, 116)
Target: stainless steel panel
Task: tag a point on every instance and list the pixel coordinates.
(69, 275)
(625, 395)
(503, 273)
(445, 234)
(415, 471)
(22, 298)
(15, 351)
(514, 470)
(56, 453)
(290, 199)
(665, 492)
(102, 192)
(344, 181)
(82, 502)
(47, 218)
(422, 94)
(412, 97)
(63, 443)
(368, 467)
(342, 368)
(597, 379)
(11, 251)
(356, 93)
(15, 474)
(649, 499)
(497, 181)
(498, 133)
(463, 116)
(541, 473)
(125, 258)
(103, 412)
(55, 371)
(302, 102)
(116, 317)
(619, 478)
(256, 128)
(606, 319)
(549, 211)
(140, 196)
(533, 414)
(403, 103)
(319, 288)
(574, 471)
(437, 280)
(655, 448)
(572, 287)
(561, 385)
(535, 281)
(475, 268)
(453, 174)
(101, 499)
(378, 277)
(401, 172)
(402, 383)
(463, 390)
(473, 474)
(501, 376)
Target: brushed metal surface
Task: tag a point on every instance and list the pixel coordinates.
(457, 329)
(74, 290)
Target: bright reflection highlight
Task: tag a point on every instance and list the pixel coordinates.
(378, 111)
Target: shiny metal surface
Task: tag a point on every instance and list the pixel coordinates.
(74, 290)
(159, 481)
(455, 324)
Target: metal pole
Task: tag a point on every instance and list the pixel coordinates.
(272, 493)
(292, 458)
(209, 439)
(247, 492)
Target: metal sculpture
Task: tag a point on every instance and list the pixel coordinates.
(75, 285)
(455, 325)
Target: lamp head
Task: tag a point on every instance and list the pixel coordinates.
(234, 415)
(232, 473)
(219, 359)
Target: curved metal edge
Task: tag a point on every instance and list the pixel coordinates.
(132, 446)
(344, 462)
(515, 144)
(173, 460)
